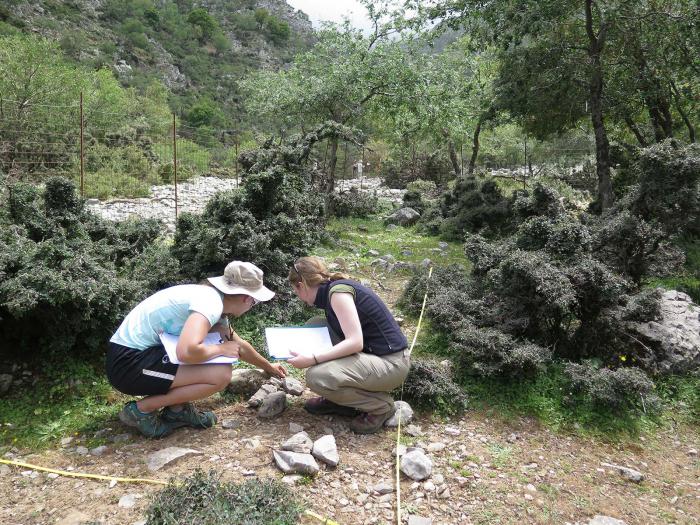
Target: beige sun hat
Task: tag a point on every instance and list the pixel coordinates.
(242, 278)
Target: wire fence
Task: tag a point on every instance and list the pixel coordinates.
(108, 159)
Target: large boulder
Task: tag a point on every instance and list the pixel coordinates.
(675, 336)
(403, 217)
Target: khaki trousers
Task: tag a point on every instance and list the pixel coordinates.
(362, 381)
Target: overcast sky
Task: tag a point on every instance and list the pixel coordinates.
(333, 11)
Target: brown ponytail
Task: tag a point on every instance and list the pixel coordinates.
(312, 272)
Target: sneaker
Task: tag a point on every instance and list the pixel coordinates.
(370, 423)
(150, 425)
(188, 417)
(321, 406)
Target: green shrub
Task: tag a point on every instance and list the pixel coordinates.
(426, 188)
(66, 276)
(430, 385)
(615, 389)
(476, 208)
(353, 203)
(414, 199)
(204, 498)
(669, 187)
(627, 243)
(275, 218)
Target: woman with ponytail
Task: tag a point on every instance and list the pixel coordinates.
(369, 357)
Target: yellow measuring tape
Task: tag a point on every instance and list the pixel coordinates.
(398, 428)
(82, 475)
(325, 521)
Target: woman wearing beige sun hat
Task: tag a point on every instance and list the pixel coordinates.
(138, 365)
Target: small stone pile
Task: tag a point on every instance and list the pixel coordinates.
(297, 456)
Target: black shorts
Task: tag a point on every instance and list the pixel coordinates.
(140, 372)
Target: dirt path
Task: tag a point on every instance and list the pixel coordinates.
(484, 471)
(494, 474)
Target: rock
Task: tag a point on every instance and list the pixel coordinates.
(127, 501)
(436, 447)
(674, 337)
(251, 443)
(246, 381)
(426, 263)
(627, 473)
(605, 520)
(230, 424)
(291, 479)
(403, 217)
(121, 438)
(429, 486)
(404, 412)
(5, 383)
(443, 245)
(66, 441)
(276, 382)
(98, 451)
(419, 520)
(257, 399)
(299, 442)
(159, 459)
(383, 488)
(452, 431)
(81, 450)
(390, 227)
(373, 253)
(74, 517)
(414, 430)
(416, 465)
(295, 427)
(295, 463)
(4, 470)
(292, 386)
(325, 449)
(273, 405)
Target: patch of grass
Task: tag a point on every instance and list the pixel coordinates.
(352, 235)
(547, 398)
(204, 498)
(501, 455)
(70, 399)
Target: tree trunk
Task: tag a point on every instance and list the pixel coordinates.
(330, 171)
(475, 147)
(635, 130)
(602, 145)
(453, 153)
(684, 116)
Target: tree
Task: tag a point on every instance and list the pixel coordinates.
(452, 97)
(559, 59)
(337, 80)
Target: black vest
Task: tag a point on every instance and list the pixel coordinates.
(381, 334)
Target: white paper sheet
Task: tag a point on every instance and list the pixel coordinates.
(170, 343)
(302, 339)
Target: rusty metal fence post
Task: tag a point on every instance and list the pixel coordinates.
(82, 149)
(175, 162)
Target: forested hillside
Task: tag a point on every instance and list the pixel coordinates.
(198, 50)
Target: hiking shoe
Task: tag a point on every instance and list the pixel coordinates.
(188, 417)
(150, 425)
(321, 406)
(370, 423)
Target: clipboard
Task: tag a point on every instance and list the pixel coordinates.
(302, 339)
(170, 343)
